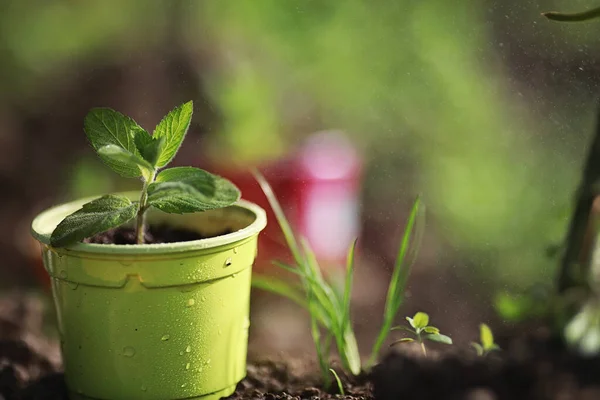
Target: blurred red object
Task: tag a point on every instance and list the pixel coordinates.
(318, 187)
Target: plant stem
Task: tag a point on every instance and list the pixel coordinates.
(581, 215)
(574, 17)
(385, 329)
(422, 346)
(140, 228)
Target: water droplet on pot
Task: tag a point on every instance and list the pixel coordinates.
(207, 361)
(181, 353)
(233, 275)
(165, 338)
(200, 369)
(188, 349)
(187, 366)
(228, 262)
(246, 324)
(220, 332)
(144, 388)
(235, 250)
(62, 273)
(73, 285)
(191, 302)
(203, 299)
(183, 385)
(128, 351)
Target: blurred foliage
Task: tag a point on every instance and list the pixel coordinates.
(484, 103)
(39, 37)
(422, 80)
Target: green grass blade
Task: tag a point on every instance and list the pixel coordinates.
(398, 280)
(289, 268)
(322, 291)
(338, 381)
(349, 352)
(348, 284)
(281, 219)
(321, 355)
(277, 286)
(401, 268)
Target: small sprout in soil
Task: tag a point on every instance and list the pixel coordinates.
(329, 308)
(573, 17)
(421, 330)
(486, 341)
(338, 381)
(129, 150)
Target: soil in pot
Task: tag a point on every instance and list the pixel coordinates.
(155, 234)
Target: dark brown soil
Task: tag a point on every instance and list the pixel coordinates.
(278, 381)
(154, 234)
(533, 366)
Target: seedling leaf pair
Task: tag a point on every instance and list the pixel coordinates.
(421, 330)
(129, 150)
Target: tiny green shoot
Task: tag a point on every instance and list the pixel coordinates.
(421, 331)
(486, 341)
(338, 381)
(129, 150)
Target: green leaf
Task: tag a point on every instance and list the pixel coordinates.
(431, 329)
(420, 320)
(402, 328)
(94, 217)
(173, 128)
(117, 154)
(478, 348)
(403, 340)
(486, 336)
(338, 381)
(186, 189)
(103, 127)
(436, 337)
(149, 147)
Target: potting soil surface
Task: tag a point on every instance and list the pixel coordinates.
(154, 234)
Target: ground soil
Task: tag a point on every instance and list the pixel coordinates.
(154, 234)
(534, 365)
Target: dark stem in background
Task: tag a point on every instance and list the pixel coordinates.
(574, 17)
(580, 220)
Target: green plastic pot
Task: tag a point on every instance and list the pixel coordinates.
(160, 321)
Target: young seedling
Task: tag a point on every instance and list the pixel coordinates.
(486, 341)
(421, 331)
(328, 308)
(338, 381)
(132, 152)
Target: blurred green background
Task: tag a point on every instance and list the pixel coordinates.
(482, 106)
